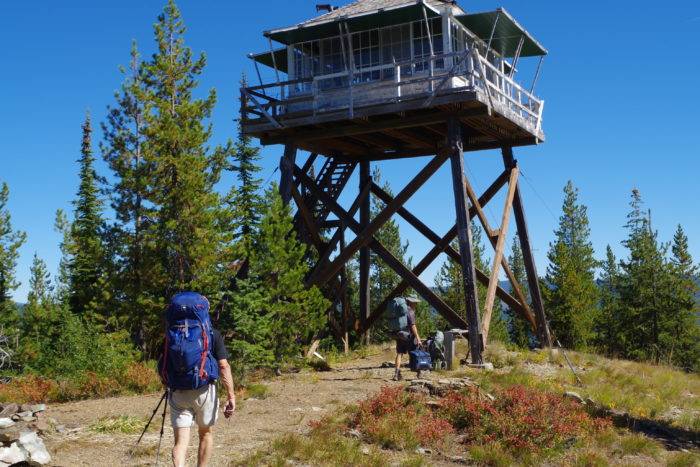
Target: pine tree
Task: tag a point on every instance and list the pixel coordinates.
(644, 274)
(607, 321)
(273, 312)
(40, 288)
(62, 226)
(10, 242)
(244, 201)
(181, 234)
(572, 295)
(130, 248)
(680, 334)
(518, 329)
(39, 308)
(85, 271)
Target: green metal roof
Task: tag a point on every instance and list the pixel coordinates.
(506, 36)
(327, 27)
(265, 58)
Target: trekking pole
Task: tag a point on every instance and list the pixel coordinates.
(150, 420)
(162, 429)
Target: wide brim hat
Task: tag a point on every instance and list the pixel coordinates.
(413, 299)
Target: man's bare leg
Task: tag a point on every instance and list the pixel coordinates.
(206, 445)
(182, 439)
(397, 370)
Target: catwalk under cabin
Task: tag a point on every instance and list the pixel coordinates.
(376, 80)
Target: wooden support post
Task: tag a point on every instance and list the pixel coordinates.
(454, 142)
(498, 256)
(344, 294)
(287, 172)
(365, 182)
(532, 277)
(449, 350)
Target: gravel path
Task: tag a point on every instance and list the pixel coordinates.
(293, 401)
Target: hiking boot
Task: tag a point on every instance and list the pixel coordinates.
(397, 376)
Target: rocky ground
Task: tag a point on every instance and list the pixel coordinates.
(21, 428)
(293, 401)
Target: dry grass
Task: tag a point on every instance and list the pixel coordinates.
(643, 390)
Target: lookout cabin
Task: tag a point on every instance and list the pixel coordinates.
(376, 79)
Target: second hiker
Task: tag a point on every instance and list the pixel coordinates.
(402, 321)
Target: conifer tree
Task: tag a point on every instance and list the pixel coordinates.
(518, 329)
(244, 201)
(607, 321)
(62, 226)
(273, 312)
(39, 308)
(680, 336)
(572, 295)
(40, 288)
(182, 170)
(10, 242)
(644, 274)
(131, 248)
(87, 282)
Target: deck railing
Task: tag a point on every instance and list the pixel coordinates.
(426, 77)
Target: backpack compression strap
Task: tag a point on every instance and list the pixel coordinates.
(205, 350)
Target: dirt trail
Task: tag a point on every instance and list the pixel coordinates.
(293, 401)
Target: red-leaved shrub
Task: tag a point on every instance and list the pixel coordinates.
(522, 421)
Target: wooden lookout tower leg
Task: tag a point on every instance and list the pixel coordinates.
(523, 235)
(365, 180)
(454, 145)
(287, 172)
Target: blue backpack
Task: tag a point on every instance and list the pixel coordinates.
(397, 314)
(187, 361)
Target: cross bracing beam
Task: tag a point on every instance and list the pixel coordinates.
(412, 279)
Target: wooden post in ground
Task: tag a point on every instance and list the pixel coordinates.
(344, 294)
(524, 236)
(287, 163)
(454, 142)
(365, 181)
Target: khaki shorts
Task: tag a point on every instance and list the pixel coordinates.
(190, 405)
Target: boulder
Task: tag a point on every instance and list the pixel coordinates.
(6, 422)
(9, 410)
(42, 426)
(25, 413)
(574, 396)
(13, 454)
(9, 435)
(25, 408)
(31, 443)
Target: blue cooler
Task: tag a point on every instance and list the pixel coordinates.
(419, 360)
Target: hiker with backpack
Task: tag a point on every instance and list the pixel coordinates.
(402, 322)
(194, 359)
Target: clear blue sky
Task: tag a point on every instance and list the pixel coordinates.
(621, 88)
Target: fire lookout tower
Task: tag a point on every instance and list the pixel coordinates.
(389, 79)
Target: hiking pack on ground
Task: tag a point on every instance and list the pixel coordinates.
(397, 314)
(187, 361)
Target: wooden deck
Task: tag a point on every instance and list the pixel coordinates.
(411, 121)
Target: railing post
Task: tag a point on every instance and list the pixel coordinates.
(397, 78)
